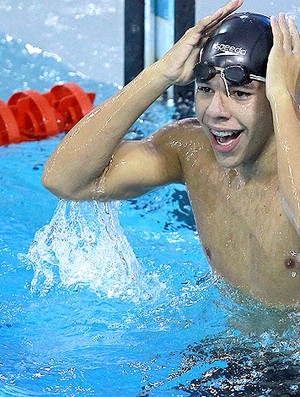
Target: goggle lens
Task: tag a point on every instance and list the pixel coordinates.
(236, 74)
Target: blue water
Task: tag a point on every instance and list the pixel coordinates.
(138, 315)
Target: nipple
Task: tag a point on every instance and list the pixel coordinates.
(290, 263)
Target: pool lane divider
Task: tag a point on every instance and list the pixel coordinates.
(30, 115)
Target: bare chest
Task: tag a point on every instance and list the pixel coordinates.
(248, 239)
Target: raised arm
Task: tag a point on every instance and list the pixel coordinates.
(93, 162)
(283, 89)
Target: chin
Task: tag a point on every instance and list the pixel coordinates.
(228, 161)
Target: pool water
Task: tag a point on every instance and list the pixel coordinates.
(108, 300)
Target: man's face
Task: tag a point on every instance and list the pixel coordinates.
(238, 126)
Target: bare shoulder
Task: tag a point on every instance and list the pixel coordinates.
(182, 138)
(179, 135)
(162, 158)
(180, 130)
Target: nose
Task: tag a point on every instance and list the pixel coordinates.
(218, 108)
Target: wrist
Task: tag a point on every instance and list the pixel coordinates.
(152, 77)
(162, 73)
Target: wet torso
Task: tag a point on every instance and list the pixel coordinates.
(244, 230)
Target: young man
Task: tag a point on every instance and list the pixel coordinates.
(239, 159)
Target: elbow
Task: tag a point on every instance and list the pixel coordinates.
(51, 185)
(56, 187)
(64, 189)
(47, 181)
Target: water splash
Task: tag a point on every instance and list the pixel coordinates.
(84, 244)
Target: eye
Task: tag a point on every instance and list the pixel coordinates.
(204, 88)
(240, 94)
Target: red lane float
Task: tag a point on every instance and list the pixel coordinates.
(9, 129)
(34, 114)
(30, 115)
(71, 103)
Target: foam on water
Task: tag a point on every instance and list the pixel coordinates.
(84, 244)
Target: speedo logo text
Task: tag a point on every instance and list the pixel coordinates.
(228, 48)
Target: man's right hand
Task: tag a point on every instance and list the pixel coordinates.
(177, 65)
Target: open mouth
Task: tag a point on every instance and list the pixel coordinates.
(226, 140)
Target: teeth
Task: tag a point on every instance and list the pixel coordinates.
(222, 133)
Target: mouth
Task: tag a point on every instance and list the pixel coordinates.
(225, 140)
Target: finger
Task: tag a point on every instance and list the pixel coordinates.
(206, 24)
(277, 34)
(209, 20)
(295, 39)
(225, 11)
(216, 17)
(283, 25)
(230, 7)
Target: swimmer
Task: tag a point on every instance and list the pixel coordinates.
(239, 158)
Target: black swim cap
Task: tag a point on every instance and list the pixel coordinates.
(241, 39)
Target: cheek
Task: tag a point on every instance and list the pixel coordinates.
(202, 102)
(262, 110)
(254, 116)
(267, 117)
(199, 108)
(244, 113)
(263, 119)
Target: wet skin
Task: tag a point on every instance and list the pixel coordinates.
(228, 158)
(236, 201)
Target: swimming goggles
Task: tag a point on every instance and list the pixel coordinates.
(235, 74)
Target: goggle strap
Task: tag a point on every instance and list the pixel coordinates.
(222, 74)
(258, 78)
